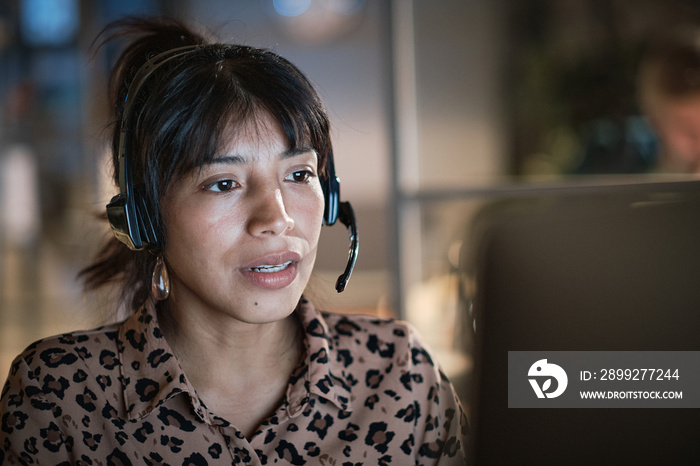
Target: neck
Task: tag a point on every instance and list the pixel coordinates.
(225, 351)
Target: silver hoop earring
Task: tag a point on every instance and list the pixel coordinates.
(160, 282)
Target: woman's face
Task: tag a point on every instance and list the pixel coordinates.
(242, 232)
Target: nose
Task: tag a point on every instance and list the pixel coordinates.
(268, 215)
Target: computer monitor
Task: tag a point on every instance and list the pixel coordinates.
(598, 268)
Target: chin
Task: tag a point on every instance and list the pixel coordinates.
(267, 309)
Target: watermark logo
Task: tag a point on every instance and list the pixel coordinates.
(541, 374)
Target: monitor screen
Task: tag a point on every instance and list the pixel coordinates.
(611, 268)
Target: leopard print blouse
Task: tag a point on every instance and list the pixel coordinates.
(367, 392)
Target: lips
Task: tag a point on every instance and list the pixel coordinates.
(273, 271)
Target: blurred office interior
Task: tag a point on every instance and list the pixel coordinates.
(437, 108)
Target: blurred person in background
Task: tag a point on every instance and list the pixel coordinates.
(223, 359)
(669, 95)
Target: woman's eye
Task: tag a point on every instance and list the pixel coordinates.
(221, 186)
(300, 176)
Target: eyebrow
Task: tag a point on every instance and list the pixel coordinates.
(297, 151)
(239, 159)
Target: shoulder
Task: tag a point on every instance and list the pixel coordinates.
(67, 348)
(58, 361)
(392, 371)
(57, 386)
(379, 342)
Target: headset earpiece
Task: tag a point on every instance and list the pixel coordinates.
(331, 192)
(147, 229)
(128, 213)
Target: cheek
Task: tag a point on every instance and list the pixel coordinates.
(192, 229)
(309, 213)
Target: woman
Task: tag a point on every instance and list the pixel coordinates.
(220, 153)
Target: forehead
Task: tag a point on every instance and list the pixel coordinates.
(261, 132)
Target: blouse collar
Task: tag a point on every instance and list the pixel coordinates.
(151, 373)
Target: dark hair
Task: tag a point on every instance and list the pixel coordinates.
(670, 66)
(181, 116)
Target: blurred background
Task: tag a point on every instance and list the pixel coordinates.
(437, 107)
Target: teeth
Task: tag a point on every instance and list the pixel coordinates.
(271, 268)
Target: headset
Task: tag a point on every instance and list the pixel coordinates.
(129, 215)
